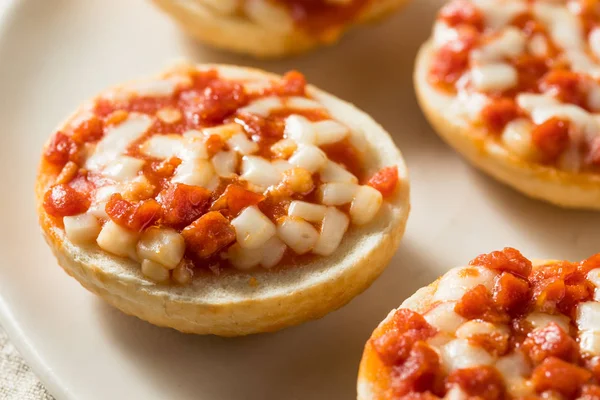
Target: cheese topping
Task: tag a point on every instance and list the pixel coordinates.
(194, 172)
(491, 53)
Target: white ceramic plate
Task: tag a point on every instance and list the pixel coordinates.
(54, 54)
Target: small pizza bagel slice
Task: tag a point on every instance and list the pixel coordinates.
(222, 200)
(501, 327)
(273, 28)
(514, 86)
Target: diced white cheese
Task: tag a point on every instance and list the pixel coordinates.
(538, 45)
(334, 172)
(163, 146)
(118, 240)
(366, 204)
(225, 163)
(541, 320)
(594, 277)
(329, 131)
(459, 354)
(308, 157)
(307, 211)
(564, 27)
(156, 87)
(581, 62)
(337, 193)
(302, 103)
(123, 168)
(456, 282)
(475, 327)
(494, 77)
(240, 143)
(298, 234)
(588, 316)
(510, 43)
(334, 226)
(281, 165)
(259, 171)
(117, 139)
(196, 172)
(299, 129)
(272, 252)
(223, 131)
(161, 245)
(263, 106)
(82, 228)
(253, 228)
(594, 42)
(516, 137)
(272, 16)
(443, 33)
(589, 342)
(244, 259)
(443, 317)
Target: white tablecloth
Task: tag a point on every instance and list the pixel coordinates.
(17, 382)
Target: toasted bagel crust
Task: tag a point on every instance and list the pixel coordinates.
(238, 303)
(371, 385)
(563, 188)
(241, 35)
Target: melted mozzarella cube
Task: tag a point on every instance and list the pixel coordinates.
(155, 271)
(594, 277)
(337, 193)
(225, 163)
(98, 207)
(302, 103)
(259, 171)
(564, 27)
(82, 228)
(243, 259)
(514, 368)
(329, 131)
(366, 204)
(264, 106)
(594, 41)
(298, 234)
(334, 226)
(196, 172)
(240, 143)
(443, 317)
(334, 172)
(155, 87)
(307, 211)
(161, 245)
(538, 45)
(476, 327)
(308, 157)
(281, 165)
(456, 393)
(494, 77)
(117, 240)
(589, 342)
(272, 252)
(223, 131)
(516, 137)
(284, 148)
(541, 320)
(299, 129)
(459, 354)
(253, 228)
(169, 115)
(123, 168)
(510, 43)
(588, 316)
(443, 33)
(117, 139)
(163, 146)
(456, 282)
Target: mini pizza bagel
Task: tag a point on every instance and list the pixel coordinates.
(500, 328)
(512, 85)
(273, 28)
(222, 200)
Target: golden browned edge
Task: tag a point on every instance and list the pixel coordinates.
(119, 282)
(240, 35)
(372, 383)
(562, 188)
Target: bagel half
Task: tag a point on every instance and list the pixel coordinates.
(544, 181)
(272, 36)
(517, 366)
(236, 302)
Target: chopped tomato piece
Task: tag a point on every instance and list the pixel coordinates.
(567, 86)
(208, 234)
(214, 144)
(477, 303)
(183, 204)
(550, 341)
(506, 260)
(547, 293)
(134, 216)
(494, 343)
(511, 293)
(529, 69)
(88, 130)
(498, 113)
(591, 263)
(215, 102)
(62, 200)
(452, 59)
(385, 180)
(480, 382)
(235, 199)
(461, 12)
(418, 372)
(551, 138)
(575, 294)
(560, 376)
(293, 84)
(61, 149)
(261, 126)
(590, 392)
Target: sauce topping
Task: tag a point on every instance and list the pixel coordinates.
(199, 169)
(498, 329)
(527, 71)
